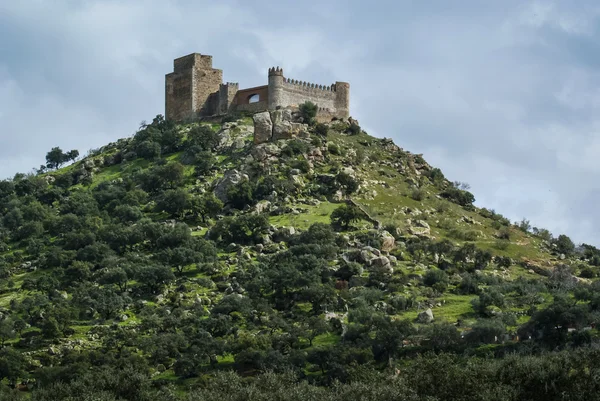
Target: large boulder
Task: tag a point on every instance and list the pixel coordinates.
(263, 127)
(425, 316)
(387, 241)
(231, 177)
(420, 229)
(283, 125)
(287, 130)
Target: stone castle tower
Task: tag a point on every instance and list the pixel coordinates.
(196, 89)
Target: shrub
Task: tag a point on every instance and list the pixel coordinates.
(321, 129)
(148, 150)
(504, 233)
(316, 142)
(302, 165)
(345, 215)
(354, 129)
(333, 148)
(294, 148)
(308, 111)
(564, 245)
(459, 196)
(241, 194)
(436, 176)
(435, 276)
(587, 272)
(418, 194)
(501, 244)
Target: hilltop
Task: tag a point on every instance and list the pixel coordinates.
(191, 255)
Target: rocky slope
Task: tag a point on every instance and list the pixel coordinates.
(256, 243)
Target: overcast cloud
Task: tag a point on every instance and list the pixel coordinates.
(504, 94)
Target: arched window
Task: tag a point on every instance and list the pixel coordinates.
(253, 98)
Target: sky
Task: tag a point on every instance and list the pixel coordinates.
(501, 94)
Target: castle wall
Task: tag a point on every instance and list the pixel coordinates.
(206, 82)
(195, 89)
(227, 94)
(243, 96)
(192, 60)
(178, 95)
(295, 93)
(253, 107)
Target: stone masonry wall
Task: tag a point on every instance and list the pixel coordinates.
(206, 82)
(295, 93)
(243, 95)
(252, 107)
(178, 95)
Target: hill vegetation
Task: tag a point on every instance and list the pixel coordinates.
(188, 263)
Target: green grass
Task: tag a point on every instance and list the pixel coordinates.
(315, 214)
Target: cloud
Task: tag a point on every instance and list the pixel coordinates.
(503, 95)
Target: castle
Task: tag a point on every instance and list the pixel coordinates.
(196, 89)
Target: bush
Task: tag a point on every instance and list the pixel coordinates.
(564, 245)
(418, 194)
(587, 272)
(333, 148)
(308, 111)
(435, 276)
(321, 129)
(436, 176)
(302, 165)
(459, 196)
(354, 129)
(241, 194)
(294, 148)
(345, 215)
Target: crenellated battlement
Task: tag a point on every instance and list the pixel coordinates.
(276, 71)
(310, 85)
(196, 89)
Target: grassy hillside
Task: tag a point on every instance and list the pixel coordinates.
(161, 262)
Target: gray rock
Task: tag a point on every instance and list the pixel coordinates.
(263, 127)
(425, 316)
(380, 261)
(387, 241)
(231, 177)
(263, 206)
(238, 144)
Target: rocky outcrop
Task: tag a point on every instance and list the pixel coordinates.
(263, 127)
(275, 125)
